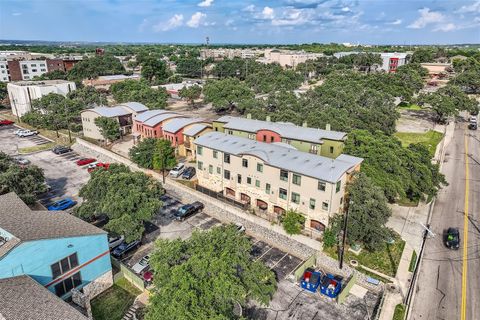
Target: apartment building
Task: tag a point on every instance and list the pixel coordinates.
(228, 53)
(150, 123)
(26, 69)
(288, 59)
(173, 131)
(326, 143)
(390, 60)
(190, 134)
(274, 178)
(22, 93)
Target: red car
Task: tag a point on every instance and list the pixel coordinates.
(6, 122)
(85, 161)
(148, 276)
(99, 165)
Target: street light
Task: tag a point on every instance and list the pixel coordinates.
(344, 233)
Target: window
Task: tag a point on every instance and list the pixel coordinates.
(229, 131)
(267, 188)
(226, 158)
(245, 163)
(283, 175)
(282, 193)
(272, 139)
(199, 150)
(43, 70)
(314, 148)
(239, 178)
(215, 154)
(219, 170)
(257, 183)
(64, 265)
(324, 206)
(68, 284)
(34, 70)
(226, 174)
(210, 169)
(295, 198)
(42, 64)
(312, 204)
(264, 138)
(322, 186)
(249, 180)
(259, 167)
(337, 187)
(296, 179)
(251, 136)
(199, 165)
(33, 65)
(331, 149)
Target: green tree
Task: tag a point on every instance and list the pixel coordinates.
(164, 156)
(139, 91)
(207, 276)
(109, 128)
(227, 94)
(190, 93)
(368, 213)
(88, 96)
(26, 181)
(93, 67)
(423, 55)
(142, 153)
(155, 70)
(52, 75)
(127, 198)
(3, 91)
(293, 222)
(190, 67)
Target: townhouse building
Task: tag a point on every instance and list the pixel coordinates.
(326, 143)
(173, 131)
(150, 123)
(56, 249)
(190, 134)
(274, 177)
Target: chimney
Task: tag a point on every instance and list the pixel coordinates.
(249, 116)
(327, 127)
(268, 118)
(304, 124)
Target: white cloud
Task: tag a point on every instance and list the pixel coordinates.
(292, 17)
(205, 3)
(249, 8)
(346, 9)
(446, 27)
(268, 13)
(472, 8)
(396, 22)
(196, 19)
(426, 17)
(16, 14)
(172, 23)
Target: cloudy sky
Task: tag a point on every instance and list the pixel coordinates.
(237, 21)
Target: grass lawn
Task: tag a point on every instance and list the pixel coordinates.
(114, 303)
(399, 313)
(430, 139)
(384, 260)
(36, 148)
(407, 106)
(413, 261)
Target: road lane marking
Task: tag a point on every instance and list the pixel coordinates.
(463, 310)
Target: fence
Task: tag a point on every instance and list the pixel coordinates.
(128, 274)
(221, 197)
(310, 262)
(346, 290)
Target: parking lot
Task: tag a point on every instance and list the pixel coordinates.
(61, 172)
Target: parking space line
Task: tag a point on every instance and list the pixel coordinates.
(298, 265)
(286, 254)
(264, 253)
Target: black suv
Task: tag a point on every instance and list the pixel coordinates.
(452, 238)
(188, 173)
(61, 149)
(124, 248)
(472, 126)
(188, 210)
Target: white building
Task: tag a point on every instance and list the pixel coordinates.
(287, 58)
(3, 71)
(22, 93)
(33, 68)
(390, 60)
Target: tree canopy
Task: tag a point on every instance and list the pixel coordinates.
(140, 91)
(227, 94)
(109, 128)
(127, 198)
(25, 181)
(205, 276)
(93, 67)
(190, 93)
(293, 222)
(155, 70)
(153, 153)
(190, 67)
(88, 96)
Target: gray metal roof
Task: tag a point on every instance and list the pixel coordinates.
(22, 298)
(285, 129)
(153, 121)
(110, 112)
(27, 225)
(304, 163)
(176, 124)
(195, 129)
(135, 106)
(144, 116)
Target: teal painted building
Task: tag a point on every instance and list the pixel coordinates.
(56, 249)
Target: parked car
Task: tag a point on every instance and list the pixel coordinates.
(472, 126)
(124, 248)
(92, 165)
(63, 204)
(115, 241)
(61, 149)
(452, 238)
(18, 131)
(189, 173)
(473, 119)
(187, 210)
(148, 276)
(178, 170)
(100, 220)
(27, 133)
(84, 161)
(6, 122)
(99, 165)
(141, 265)
(240, 227)
(21, 161)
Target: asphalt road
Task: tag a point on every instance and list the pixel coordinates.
(448, 285)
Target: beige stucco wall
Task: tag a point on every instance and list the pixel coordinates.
(90, 129)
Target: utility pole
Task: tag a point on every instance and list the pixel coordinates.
(344, 234)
